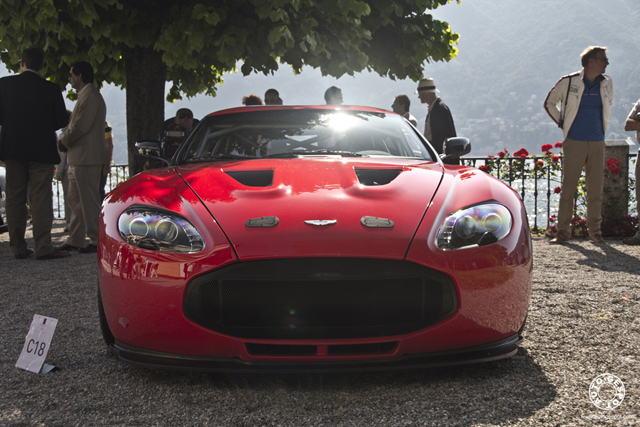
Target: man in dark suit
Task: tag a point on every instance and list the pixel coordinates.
(31, 110)
(439, 123)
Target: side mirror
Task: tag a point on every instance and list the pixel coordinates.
(456, 147)
(148, 155)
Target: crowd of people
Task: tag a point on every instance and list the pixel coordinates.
(32, 110)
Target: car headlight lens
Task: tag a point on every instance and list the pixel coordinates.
(474, 226)
(159, 231)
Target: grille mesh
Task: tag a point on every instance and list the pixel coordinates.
(319, 298)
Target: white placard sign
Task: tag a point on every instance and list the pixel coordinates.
(36, 344)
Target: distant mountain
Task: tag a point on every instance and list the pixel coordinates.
(511, 53)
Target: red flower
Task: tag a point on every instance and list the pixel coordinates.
(540, 163)
(614, 165)
(558, 145)
(484, 168)
(547, 147)
(522, 153)
(555, 159)
(502, 154)
(491, 157)
(557, 190)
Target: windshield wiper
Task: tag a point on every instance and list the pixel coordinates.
(214, 158)
(291, 154)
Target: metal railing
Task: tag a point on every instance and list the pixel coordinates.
(118, 174)
(530, 187)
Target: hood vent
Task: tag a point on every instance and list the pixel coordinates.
(377, 176)
(259, 178)
(374, 222)
(265, 221)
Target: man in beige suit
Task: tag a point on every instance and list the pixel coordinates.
(86, 154)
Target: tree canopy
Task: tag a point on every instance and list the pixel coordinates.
(141, 44)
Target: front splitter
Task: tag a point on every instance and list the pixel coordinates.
(159, 360)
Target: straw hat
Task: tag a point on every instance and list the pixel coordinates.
(427, 86)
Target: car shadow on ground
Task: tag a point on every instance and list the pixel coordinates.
(477, 393)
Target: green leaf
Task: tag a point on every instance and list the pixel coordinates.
(85, 18)
(264, 11)
(289, 38)
(199, 11)
(275, 35)
(213, 18)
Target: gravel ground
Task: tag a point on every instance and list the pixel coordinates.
(584, 320)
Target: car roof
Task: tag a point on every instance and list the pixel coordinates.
(244, 109)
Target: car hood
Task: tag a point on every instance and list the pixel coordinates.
(314, 207)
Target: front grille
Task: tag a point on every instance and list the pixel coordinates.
(321, 298)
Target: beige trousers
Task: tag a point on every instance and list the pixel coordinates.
(578, 155)
(34, 179)
(84, 202)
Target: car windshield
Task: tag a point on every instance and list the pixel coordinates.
(303, 132)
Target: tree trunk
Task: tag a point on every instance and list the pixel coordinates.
(146, 76)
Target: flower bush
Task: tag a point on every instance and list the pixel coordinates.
(625, 226)
(512, 167)
(579, 226)
(548, 166)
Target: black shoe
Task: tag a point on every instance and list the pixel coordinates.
(55, 254)
(26, 254)
(89, 249)
(66, 247)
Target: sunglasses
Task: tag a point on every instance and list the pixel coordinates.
(184, 116)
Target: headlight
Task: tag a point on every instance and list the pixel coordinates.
(159, 231)
(474, 226)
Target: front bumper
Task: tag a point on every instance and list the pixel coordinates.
(154, 359)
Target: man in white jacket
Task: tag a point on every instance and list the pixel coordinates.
(585, 98)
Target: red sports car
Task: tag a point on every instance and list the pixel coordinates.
(312, 239)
